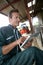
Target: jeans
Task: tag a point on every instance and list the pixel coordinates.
(27, 57)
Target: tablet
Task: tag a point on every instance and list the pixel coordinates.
(29, 38)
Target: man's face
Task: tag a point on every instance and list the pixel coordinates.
(15, 19)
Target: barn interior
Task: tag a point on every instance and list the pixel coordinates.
(28, 9)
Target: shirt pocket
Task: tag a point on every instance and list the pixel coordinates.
(10, 39)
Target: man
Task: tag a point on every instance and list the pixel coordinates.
(10, 38)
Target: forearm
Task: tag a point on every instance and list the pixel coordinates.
(7, 48)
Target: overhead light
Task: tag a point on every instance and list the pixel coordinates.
(31, 11)
(30, 3)
(33, 2)
(42, 8)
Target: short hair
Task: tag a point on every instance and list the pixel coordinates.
(12, 11)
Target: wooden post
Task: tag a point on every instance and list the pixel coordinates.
(28, 15)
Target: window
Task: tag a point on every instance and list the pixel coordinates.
(3, 20)
(35, 21)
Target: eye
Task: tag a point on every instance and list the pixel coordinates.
(18, 17)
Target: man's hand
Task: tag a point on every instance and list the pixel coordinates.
(21, 40)
(28, 44)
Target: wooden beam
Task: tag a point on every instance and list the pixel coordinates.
(14, 1)
(28, 15)
(31, 8)
(29, 1)
(3, 13)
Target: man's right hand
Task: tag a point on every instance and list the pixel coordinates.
(21, 40)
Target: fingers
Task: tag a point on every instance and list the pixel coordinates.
(21, 40)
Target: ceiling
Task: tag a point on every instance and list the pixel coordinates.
(7, 5)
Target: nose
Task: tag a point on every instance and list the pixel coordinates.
(19, 19)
